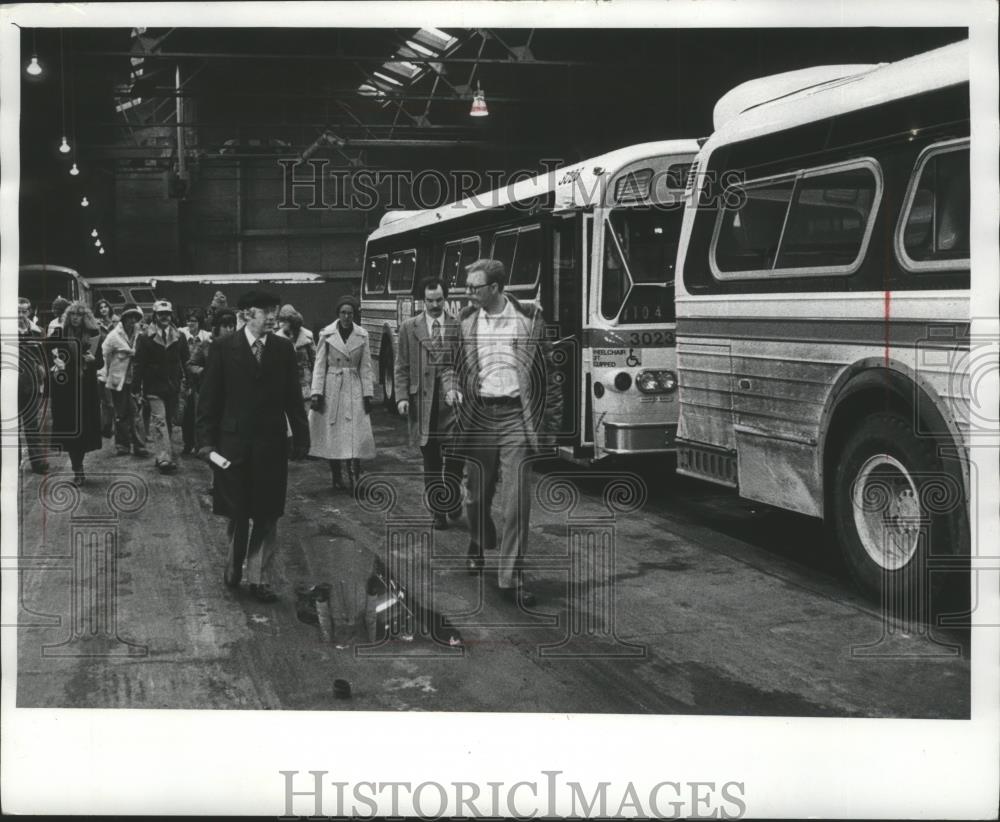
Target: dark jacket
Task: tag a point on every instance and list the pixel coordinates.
(159, 366)
(242, 409)
(76, 413)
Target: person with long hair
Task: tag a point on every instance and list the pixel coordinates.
(76, 413)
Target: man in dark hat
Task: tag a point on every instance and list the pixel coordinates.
(249, 387)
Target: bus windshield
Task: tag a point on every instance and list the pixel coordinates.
(640, 250)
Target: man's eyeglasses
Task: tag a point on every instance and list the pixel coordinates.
(473, 288)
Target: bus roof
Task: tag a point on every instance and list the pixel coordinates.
(210, 279)
(826, 91)
(47, 267)
(573, 186)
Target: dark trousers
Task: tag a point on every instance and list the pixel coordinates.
(126, 423)
(187, 421)
(254, 544)
(29, 411)
(439, 465)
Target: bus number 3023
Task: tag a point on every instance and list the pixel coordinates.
(651, 338)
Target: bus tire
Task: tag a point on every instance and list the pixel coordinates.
(387, 367)
(894, 504)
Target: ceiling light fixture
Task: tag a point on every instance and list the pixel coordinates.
(93, 233)
(100, 251)
(64, 148)
(74, 171)
(34, 67)
(479, 103)
(85, 202)
(97, 243)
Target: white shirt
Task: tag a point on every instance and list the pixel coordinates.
(430, 324)
(252, 339)
(495, 334)
(202, 335)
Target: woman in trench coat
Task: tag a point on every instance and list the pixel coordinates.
(342, 387)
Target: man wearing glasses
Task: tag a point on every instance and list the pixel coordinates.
(508, 396)
(250, 385)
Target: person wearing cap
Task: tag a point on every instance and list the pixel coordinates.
(342, 390)
(197, 340)
(119, 380)
(249, 388)
(76, 412)
(160, 357)
(106, 320)
(507, 395)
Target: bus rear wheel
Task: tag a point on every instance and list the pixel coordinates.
(894, 505)
(387, 366)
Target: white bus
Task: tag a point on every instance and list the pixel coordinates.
(594, 244)
(823, 310)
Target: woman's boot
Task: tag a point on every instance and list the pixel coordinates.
(336, 478)
(352, 475)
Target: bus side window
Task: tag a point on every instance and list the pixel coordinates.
(937, 222)
(503, 249)
(748, 236)
(528, 259)
(375, 275)
(470, 253)
(450, 264)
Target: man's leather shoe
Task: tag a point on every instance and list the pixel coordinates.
(139, 451)
(473, 563)
(518, 593)
(263, 593)
(440, 522)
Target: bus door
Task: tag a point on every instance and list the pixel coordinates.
(563, 294)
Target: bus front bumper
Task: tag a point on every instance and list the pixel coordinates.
(646, 438)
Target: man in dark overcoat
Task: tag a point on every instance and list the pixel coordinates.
(249, 387)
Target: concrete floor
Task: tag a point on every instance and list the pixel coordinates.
(718, 607)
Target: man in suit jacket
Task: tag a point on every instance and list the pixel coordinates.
(250, 385)
(509, 397)
(427, 342)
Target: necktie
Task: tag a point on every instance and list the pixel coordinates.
(258, 350)
(436, 331)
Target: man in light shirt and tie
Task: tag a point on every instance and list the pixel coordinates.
(508, 398)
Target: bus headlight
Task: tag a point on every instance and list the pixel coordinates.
(656, 382)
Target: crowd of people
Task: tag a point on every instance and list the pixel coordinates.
(252, 388)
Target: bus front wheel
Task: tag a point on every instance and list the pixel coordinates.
(894, 505)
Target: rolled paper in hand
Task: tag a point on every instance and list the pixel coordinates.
(217, 459)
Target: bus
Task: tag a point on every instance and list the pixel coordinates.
(594, 245)
(42, 283)
(313, 295)
(823, 324)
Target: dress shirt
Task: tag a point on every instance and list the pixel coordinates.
(251, 339)
(495, 334)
